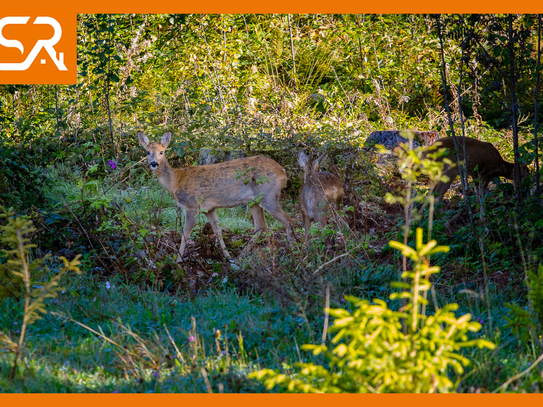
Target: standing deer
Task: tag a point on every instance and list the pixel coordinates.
(225, 185)
(483, 161)
(318, 191)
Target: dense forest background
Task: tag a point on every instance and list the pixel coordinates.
(241, 85)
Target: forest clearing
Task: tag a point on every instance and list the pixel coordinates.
(277, 203)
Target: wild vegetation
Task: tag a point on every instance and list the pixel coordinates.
(399, 292)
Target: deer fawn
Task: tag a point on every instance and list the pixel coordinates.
(318, 191)
(224, 185)
(483, 161)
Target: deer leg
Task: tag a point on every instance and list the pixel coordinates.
(307, 225)
(323, 220)
(443, 187)
(272, 207)
(484, 187)
(260, 226)
(214, 220)
(190, 220)
(322, 217)
(258, 218)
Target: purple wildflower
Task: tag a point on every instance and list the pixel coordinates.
(191, 338)
(112, 164)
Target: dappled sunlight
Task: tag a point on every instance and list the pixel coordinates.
(316, 125)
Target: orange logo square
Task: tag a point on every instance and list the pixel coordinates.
(38, 47)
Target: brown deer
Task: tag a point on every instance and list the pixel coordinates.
(258, 180)
(483, 161)
(320, 189)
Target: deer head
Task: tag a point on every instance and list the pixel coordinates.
(308, 167)
(155, 151)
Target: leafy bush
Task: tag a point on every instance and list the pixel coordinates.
(18, 270)
(527, 323)
(21, 181)
(381, 350)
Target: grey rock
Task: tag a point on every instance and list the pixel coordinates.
(393, 138)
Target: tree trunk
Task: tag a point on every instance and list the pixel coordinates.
(462, 168)
(360, 56)
(56, 107)
(107, 95)
(292, 51)
(512, 84)
(536, 138)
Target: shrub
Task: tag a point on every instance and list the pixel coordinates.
(17, 272)
(380, 350)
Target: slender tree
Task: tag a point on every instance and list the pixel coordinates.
(360, 53)
(56, 108)
(292, 49)
(106, 90)
(462, 167)
(536, 138)
(512, 87)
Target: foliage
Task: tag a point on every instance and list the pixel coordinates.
(527, 322)
(19, 269)
(20, 178)
(414, 163)
(373, 354)
(272, 85)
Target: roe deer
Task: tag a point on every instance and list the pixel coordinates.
(483, 161)
(222, 185)
(320, 189)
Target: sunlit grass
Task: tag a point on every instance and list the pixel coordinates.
(140, 199)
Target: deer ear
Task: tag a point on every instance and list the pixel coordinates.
(318, 162)
(143, 139)
(303, 159)
(166, 138)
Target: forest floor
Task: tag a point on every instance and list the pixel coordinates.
(135, 321)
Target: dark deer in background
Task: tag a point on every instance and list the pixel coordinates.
(205, 188)
(320, 189)
(483, 162)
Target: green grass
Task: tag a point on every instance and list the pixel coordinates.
(140, 199)
(62, 356)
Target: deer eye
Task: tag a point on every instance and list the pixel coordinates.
(148, 152)
(162, 152)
